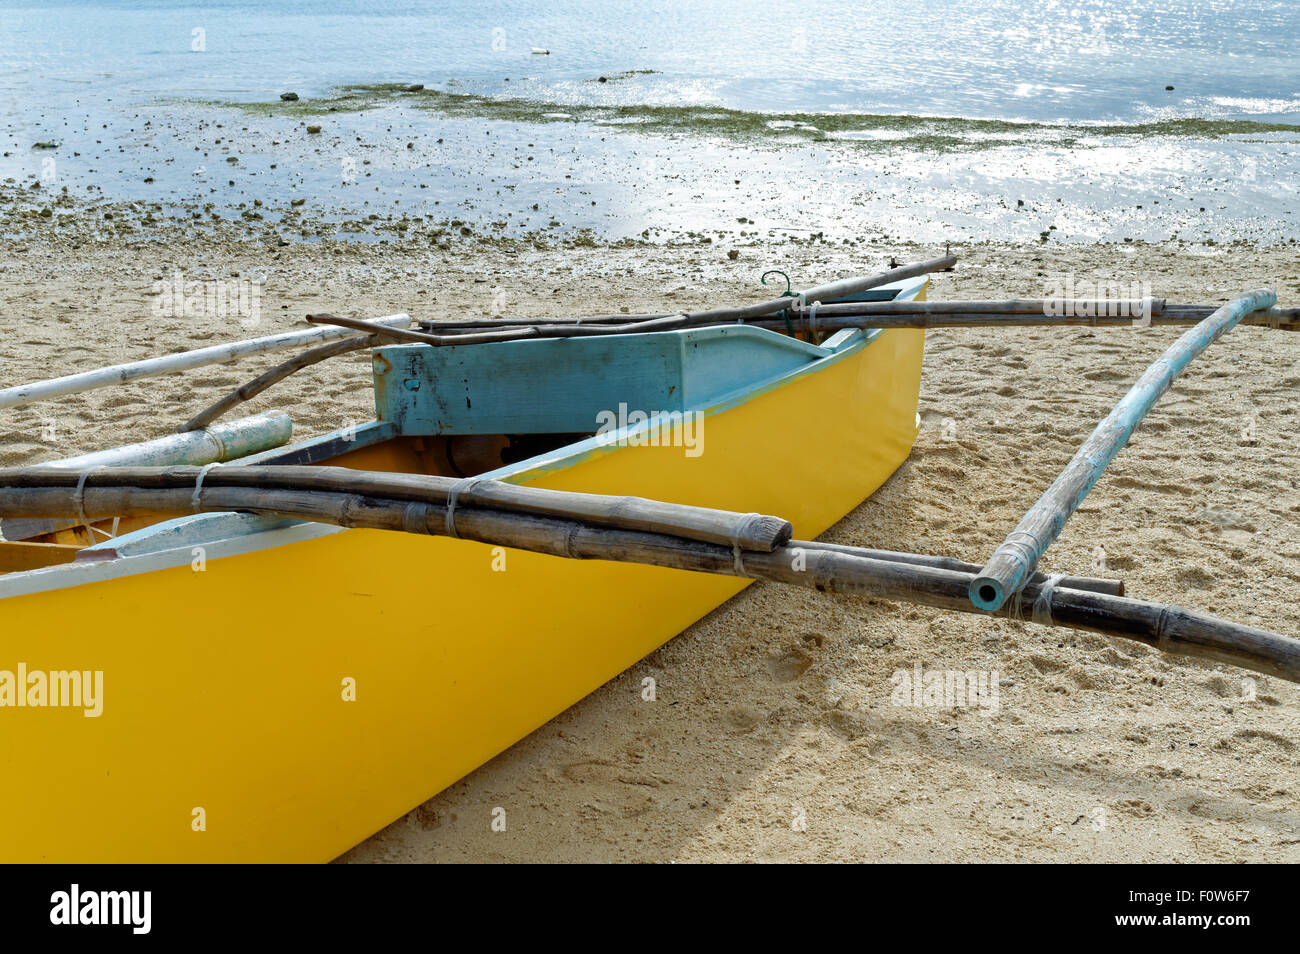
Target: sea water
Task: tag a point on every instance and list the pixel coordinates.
(895, 118)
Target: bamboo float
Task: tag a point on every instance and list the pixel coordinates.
(167, 364)
(1017, 557)
(1169, 628)
(196, 446)
(750, 531)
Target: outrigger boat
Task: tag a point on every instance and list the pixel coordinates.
(250, 665)
(231, 645)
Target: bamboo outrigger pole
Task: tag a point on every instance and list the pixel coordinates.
(1018, 556)
(1125, 309)
(1282, 319)
(182, 361)
(823, 567)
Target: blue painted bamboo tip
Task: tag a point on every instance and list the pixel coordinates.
(986, 593)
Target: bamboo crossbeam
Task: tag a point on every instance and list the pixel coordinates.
(1091, 583)
(1026, 311)
(831, 323)
(1126, 310)
(748, 531)
(1011, 306)
(822, 567)
(624, 512)
(836, 289)
(865, 315)
(870, 315)
(498, 334)
(167, 364)
(1263, 316)
(250, 389)
(1029, 312)
(1018, 556)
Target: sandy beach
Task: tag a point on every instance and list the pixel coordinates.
(772, 736)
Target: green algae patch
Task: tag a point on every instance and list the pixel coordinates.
(867, 130)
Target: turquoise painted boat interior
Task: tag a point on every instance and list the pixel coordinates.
(560, 385)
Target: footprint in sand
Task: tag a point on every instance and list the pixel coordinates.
(745, 717)
(1222, 687)
(424, 818)
(1046, 664)
(1195, 577)
(1251, 738)
(1104, 374)
(789, 666)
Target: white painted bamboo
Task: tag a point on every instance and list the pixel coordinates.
(217, 444)
(170, 363)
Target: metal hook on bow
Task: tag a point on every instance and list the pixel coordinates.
(776, 271)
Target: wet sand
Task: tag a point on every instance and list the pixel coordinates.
(773, 736)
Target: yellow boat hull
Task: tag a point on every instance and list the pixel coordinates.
(284, 704)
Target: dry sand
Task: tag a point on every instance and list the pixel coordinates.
(776, 707)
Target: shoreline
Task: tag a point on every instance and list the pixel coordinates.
(34, 214)
(380, 161)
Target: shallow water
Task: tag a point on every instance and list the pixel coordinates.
(128, 90)
(1009, 59)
